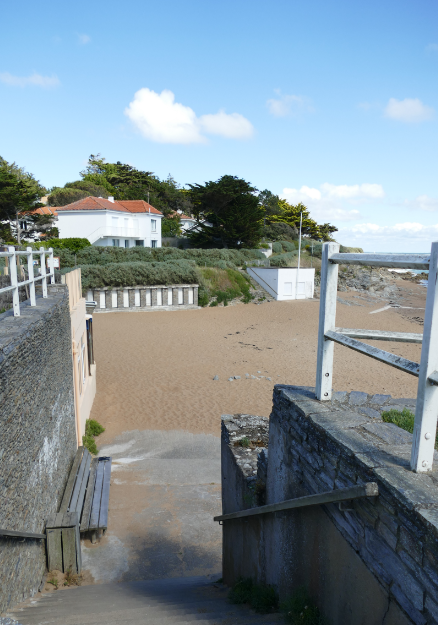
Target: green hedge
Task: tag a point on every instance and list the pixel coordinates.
(139, 273)
(283, 260)
(100, 255)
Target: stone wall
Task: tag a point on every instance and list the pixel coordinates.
(38, 436)
(365, 562)
(140, 298)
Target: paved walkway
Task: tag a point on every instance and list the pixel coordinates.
(165, 490)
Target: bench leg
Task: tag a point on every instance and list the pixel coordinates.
(94, 537)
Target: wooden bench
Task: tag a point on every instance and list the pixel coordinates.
(84, 508)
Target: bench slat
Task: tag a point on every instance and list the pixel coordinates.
(104, 503)
(77, 498)
(71, 481)
(95, 506)
(85, 521)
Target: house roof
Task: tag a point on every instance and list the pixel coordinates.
(42, 210)
(182, 216)
(99, 203)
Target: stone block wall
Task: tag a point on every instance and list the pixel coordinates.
(37, 434)
(368, 561)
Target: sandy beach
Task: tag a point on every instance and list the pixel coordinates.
(155, 369)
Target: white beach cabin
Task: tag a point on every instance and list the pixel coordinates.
(285, 283)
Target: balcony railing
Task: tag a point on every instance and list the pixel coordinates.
(13, 257)
(113, 232)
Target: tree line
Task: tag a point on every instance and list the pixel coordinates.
(229, 212)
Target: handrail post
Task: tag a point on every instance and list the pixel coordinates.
(327, 318)
(51, 266)
(43, 271)
(31, 276)
(427, 394)
(14, 281)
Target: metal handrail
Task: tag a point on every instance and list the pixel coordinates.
(14, 534)
(12, 254)
(427, 370)
(370, 489)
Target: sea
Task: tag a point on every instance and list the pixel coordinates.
(417, 271)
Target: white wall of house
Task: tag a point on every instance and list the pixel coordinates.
(285, 283)
(107, 227)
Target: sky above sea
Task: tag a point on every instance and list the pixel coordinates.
(332, 103)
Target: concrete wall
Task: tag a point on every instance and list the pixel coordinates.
(285, 283)
(145, 297)
(38, 437)
(375, 562)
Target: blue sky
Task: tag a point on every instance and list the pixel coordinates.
(331, 103)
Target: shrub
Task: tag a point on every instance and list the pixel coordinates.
(264, 246)
(287, 246)
(261, 598)
(92, 429)
(283, 260)
(277, 248)
(280, 232)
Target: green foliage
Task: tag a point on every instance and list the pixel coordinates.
(270, 203)
(264, 246)
(263, 599)
(291, 215)
(203, 296)
(232, 210)
(224, 285)
(244, 442)
(72, 244)
(350, 250)
(19, 190)
(74, 191)
(288, 259)
(300, 609)
(280, 232)
(139, 273)
(171, 227)
(92, 429)
(288, 246)
(404, 419)
(277, 248)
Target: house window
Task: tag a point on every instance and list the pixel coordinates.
(83, 360)
(154, 225)
(126, 243)
(139, 243)
(23, 225)
(153, 243)
(116, 242)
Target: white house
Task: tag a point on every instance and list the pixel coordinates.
(285, 283)
(121, 223)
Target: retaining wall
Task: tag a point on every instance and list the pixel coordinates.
(370, 561)
(144, 297)
(37, 434)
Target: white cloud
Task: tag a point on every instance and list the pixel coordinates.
(333, 202)
(353, 191)
(402, 237)
(84, 39)
(287, 104)
(232, 126)
(159, 118)
(424, 203)
(409, 110)
(35, 79)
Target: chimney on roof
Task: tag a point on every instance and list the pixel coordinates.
(111, 199)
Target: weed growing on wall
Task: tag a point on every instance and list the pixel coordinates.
(224, 285)
(300, 609)
(263, 599)
(404, 419)
(92, 429)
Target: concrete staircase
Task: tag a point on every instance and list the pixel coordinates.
(158, 602)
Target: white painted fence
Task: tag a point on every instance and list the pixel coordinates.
(13, 255)
(427, 370)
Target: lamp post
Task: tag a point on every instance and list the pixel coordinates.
(299, 256)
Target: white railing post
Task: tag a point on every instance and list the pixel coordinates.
(14, 281)
(30, 276)
(327, 317)
(426, 411)
(51, 266)
(43, 271)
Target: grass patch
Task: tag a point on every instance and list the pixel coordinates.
(263, 599)
(300, 609)
(92, 429)
(224, 285)
(404, 419)
(244, 442)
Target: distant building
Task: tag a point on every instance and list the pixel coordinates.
(122, 223)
